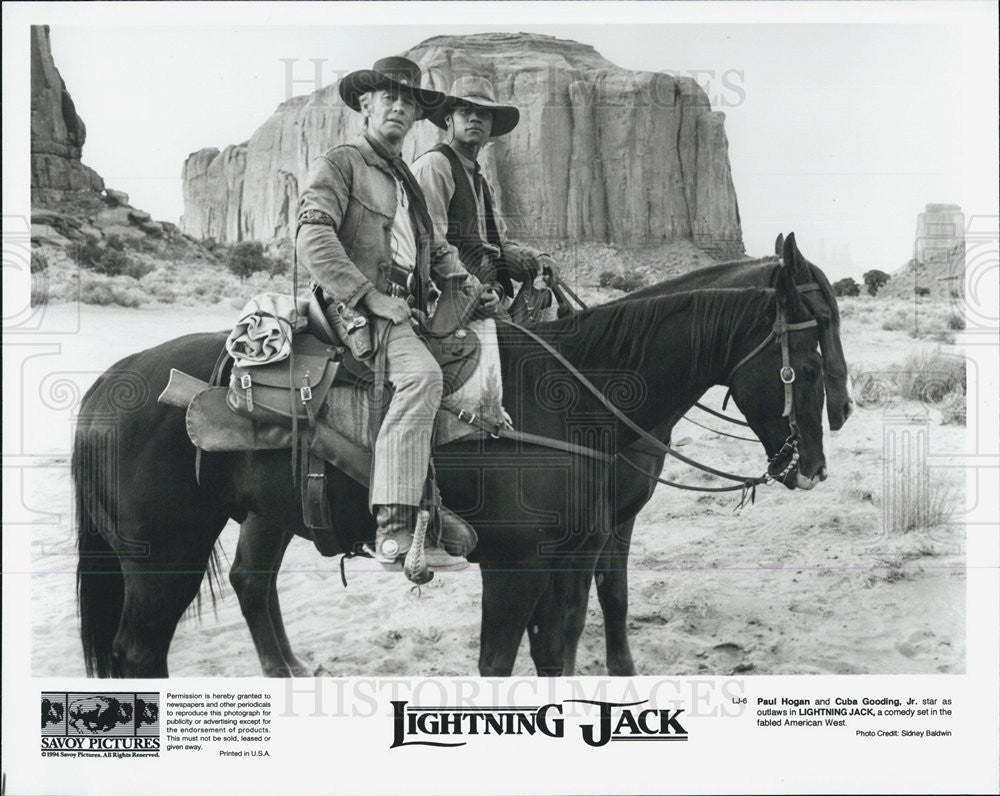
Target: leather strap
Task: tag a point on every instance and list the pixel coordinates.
(502, 432)
(315, 508)
(732, 420)
(780, 331)
(648, 438)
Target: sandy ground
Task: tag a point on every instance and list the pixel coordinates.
(799, 583)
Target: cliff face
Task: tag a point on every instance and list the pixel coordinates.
(57, 132)
(71, 210)
(601, 153)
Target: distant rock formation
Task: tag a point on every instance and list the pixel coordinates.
(57, 132)
(601, 154)
(937, 268)
(940, 229)
(69, 204)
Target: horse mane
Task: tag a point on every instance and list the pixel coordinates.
(621, 332)
(827, 290)
(704, 273)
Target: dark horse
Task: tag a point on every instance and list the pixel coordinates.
(261, 547)
(146, 527)
(633, 491)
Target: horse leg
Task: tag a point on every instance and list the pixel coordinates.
(254, 576)
(612, 592)
(298, 668)
(577, 597)
(154, 602)
(558, 620)
(547, 629)
(509, 598)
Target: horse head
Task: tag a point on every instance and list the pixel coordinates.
(778, 386)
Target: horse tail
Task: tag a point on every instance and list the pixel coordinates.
(100, 585)
(213, 579)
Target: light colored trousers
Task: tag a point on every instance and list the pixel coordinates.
(403, 447)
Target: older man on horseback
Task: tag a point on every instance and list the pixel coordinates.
(460, 199)
(366, 238)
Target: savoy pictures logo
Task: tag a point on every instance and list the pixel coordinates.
(603, 723)
(102, 724)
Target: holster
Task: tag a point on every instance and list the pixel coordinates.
(354, 329)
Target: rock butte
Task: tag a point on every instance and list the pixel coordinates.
(70, 205)
(57, 132)
(601, 154)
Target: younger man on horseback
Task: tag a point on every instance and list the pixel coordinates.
(366, 238)
(460, 199)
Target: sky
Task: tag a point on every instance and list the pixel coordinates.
(839, 132)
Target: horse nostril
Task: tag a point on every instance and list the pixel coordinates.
(822, 472)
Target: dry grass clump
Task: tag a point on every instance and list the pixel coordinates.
(918, 514)
(918, 502)
(953, 407)
(896, 322)
(122, 291)
(930, 377)
(872, 388)
(625, 281)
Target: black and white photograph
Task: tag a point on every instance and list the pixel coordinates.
(600, 348)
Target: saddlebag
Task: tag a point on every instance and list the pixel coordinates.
(296, 386)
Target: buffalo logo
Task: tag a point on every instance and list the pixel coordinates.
(146, 712)
(52, 712)
(98, 714)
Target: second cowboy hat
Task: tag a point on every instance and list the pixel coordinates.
(478, 92)
(394, 72)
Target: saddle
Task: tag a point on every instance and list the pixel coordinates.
(454, 346)
(265, 406)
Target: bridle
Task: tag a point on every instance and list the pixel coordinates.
(780, 331)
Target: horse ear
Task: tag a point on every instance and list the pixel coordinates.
(799, 266)
(788, 251)
(787, 292)
(779, 242)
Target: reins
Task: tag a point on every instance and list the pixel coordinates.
(747, 484)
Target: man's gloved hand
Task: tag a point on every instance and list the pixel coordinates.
(523, 261)
(489, 296)
(489, 302)
(389, 307)
(546, 265)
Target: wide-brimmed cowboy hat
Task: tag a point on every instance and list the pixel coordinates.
(392, 73)
(477, 92)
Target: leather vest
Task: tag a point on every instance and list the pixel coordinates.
(463, 225)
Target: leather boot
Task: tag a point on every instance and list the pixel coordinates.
(453, 533)
(395, 532)
(394, 538)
